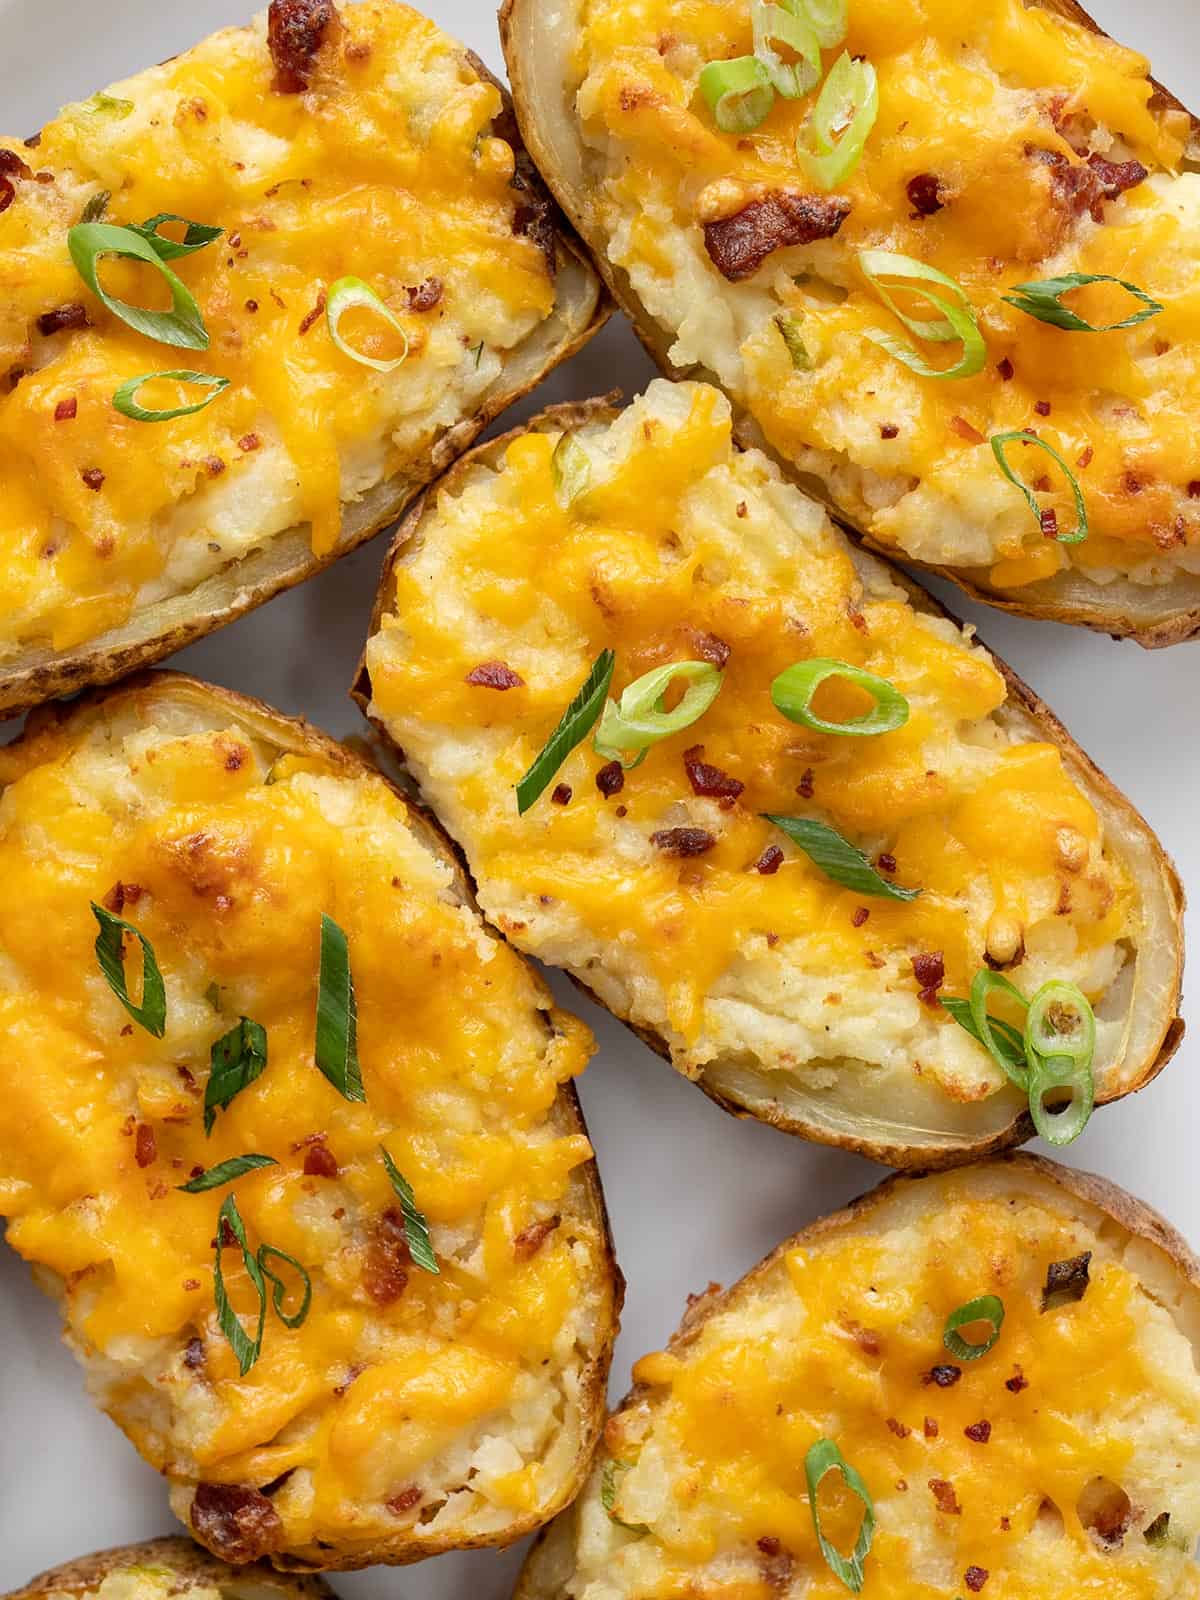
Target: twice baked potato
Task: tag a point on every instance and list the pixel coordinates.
(167, 1569)
(312, 1190)
(802, 249)
(369, 270)
(978, 1383)
(782, 895)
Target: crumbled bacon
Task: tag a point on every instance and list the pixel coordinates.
(610, 779)
(236, 1522)
(1042, 407)
(562, 794)
(925, 194)
(1085, 185)
(1017, 1382)
(929, 969)
(1048, 521)
(495, 675)
(965, 431)
(738, 245)
(66, 410)
(319, 1161)
(313, 315)
(398, 1504)
(145, 1145)
(886, 863)
(93, 478)
(944, 1376)
(296, 30)
(531, 1239)
(249, 442)
(770, 861)
(979, 1432)
(860, 916)
(682, 841)
(712, 649)
(63, 319)
(1066, 1281)
(707, 780)
(975, 1578)
(11, 165)
(1116, 178)
(193, 1355)
(425, 296)
(8, 193)
(805, 787)
(944, 1495)
(898, 1428)
(385, 1272)
(889, 430)
(1005, 369)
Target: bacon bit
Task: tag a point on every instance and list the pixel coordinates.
(770, 861)
(776, 1566)
(11, 164)
(610, 779)
(1042, 407)
(531, 1239)
(1005, 1524)
(768, 1544)
(189, 1081)
(1042, 484)
(979, 1432)
(145, 1146)
(857, 620)
(975, 1578)
(1116, 177)
(1005, 369)
(66, 410)
(708, 780)
(93, 478)
(1049, 523)
(357, 50)
(1085, 457)
(251, 305)
(1087, 186)
(925, 194)
(312, 316)
(886, 863)
(235, 1522)
(562, 794)
(944, 1376)
(682, 841)
(404, 1501)
(898, 1428)
(929, 969)
(425, 296)
(193, 1355)
(1193, 489)
(385, 1273)
(320, 1162)
(296, 30)
(621, 811)
(930, 1428)
(249, 441)
(712, 649)
(494, 675)
(860, 916)
(805, 787)
(8, 192)
(738, 245)
(1017, 1382)
(214, 466)
(1066, 1281)
(947, 1500)
(889, 430)
(742, 510)
(964, 430)
(66, 319)
(1132, 483)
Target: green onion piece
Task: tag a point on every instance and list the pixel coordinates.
(789, 329)
(576, 723)
(416, 1228)
(225, 1172)
(246, 1350)
(1010, 1046)
(1064, 1123)
(279, 1288)
(1159, 1531)
(344, 295)
(125, 399)
(1061, 1022)
(96, 206)
(983, 985)
(999, 443)
(773, 25)
(794, 688)
(824, 1456)
(957, 320)
(196, 235)
(337, 1015)
(838, 859)
(739, 93)
(608, 1495)
(831, 142)
(570, 469)
(1043, 300)
(641, 719)
(829, 19)
(987, 1308)
(110, 953)
(235, 1061)
(90, 242)
(106, 105)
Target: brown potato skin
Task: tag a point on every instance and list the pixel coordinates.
(952, 1152)
(185, 1559)
(291, 734)
(1153, 618)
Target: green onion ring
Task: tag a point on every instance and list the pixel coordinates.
(830, 145)
(90, 242)
(640, 719)
(789, 332)
(570, 469)
(957, 321)
(987, 1308)
(829, 19)
(1043, 300)
(774, 24)
(739, 93)
(1001, 440)
(984, 983)
(1041, 1038)
(345, 295)
(822, 1457)
(198, 235)
(794, 688)
(1061, 1072)
(279, 1288)
(125, 400)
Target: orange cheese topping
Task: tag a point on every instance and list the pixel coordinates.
(225, 854)
(387, 169)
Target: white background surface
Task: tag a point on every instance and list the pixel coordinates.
(693, 1194)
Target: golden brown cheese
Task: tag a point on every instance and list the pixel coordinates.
(405, 1402)
(388, 168)
(994, 109)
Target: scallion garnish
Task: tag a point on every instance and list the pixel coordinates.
(822, 1457)
(106, 105)
(570, 469)
(884, 270)
(1043, 300)
(794, 688)
(1001, 1040)
(235, 1061)
(739, 93)
(96, 206)
(337, 1015)
(777, 24)
(225, 1172)
(110, 953)
(125, 399)
(1000, 441)
(830, 145)
(279, 1288)
(838, 859)
(987, 1308)
(90, 242)
(829, 19)
(197, 235)
(640, 719)
(789, 331)
(344, 296)
(608, 1495)
(245, 1349)
(576, 723)
(416, 1227)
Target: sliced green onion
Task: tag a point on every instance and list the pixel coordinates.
(739, 93)
(279, 1289)
(829, 19)
(789, 330)
(1043, 300)
(106, 105)
(957, 320)
(1064, 1123)
(570, 469)
(337, 1015)
(96, 206)
(608, 1495)
(1000, 441)
(245, 1349)
(987, 1308)
(838, 859)
(235, 1061)
(416, 1228)
(348, 293)
(983, 985)
(1010, 1046)
(576, 723)
(110, 953)
(640, 719)
(90, 242)
(225, 1172)
(822, 1457)
(125, 399)
(831, 142)
(794, 688)
(1055, 1003)
(196, 236)
(773, 25)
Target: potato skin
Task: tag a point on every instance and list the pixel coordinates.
(185, 1559)
(1024, 705)
(1168, 614)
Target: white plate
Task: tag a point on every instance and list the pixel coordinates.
(693, 1194)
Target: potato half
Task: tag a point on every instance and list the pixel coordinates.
(433, 1394)
(666, 890)
(358, 153)
(167, 1569)
(1015, 143)
(1059, 1455)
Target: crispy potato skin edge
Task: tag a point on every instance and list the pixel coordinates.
(187, 1560)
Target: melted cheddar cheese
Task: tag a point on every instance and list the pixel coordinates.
(682, 545)
(387, 169)
(996, 105)
(1032, 1471)
(405, 1402)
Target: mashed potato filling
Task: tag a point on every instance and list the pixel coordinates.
(991, 115)
(683, 547)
